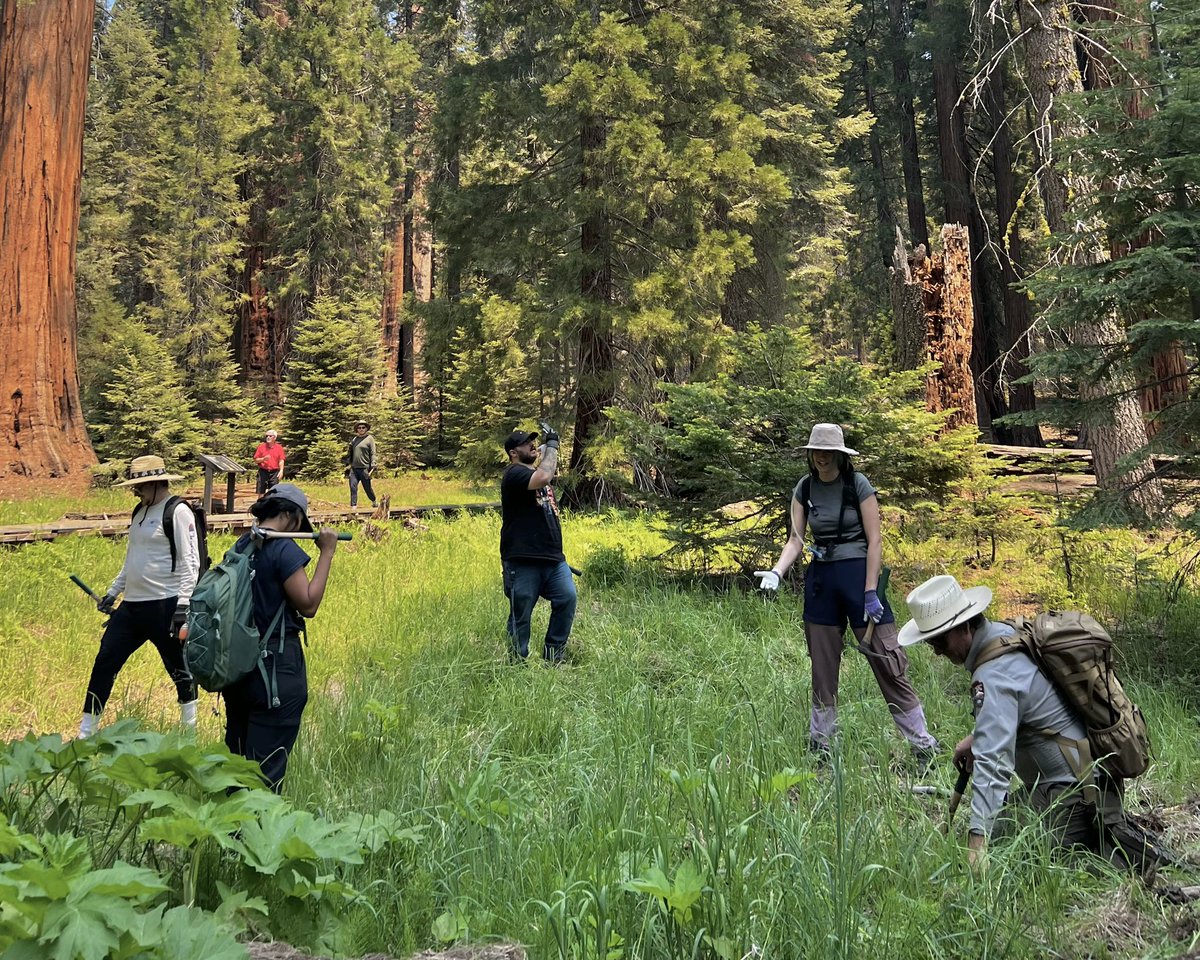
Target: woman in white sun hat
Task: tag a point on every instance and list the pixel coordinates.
(836, 507)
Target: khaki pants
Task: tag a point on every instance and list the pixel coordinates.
(888, 662)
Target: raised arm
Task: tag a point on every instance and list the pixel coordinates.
(303, 594)
(548, 465)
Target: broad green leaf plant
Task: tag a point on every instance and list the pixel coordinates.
(112, 847)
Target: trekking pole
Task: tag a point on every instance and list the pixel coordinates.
(964, 777)
(264, 533)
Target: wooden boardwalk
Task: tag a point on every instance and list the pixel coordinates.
(116, 525)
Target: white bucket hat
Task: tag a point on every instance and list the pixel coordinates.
(939, 605)
(828, 436)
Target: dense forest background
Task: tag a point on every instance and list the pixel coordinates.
(452, 217)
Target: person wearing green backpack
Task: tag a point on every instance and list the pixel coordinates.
(1037, 688)
(262, 724)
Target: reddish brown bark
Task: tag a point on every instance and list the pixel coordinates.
(945, 281)
(409, 272)
(409, 264)
(44, 50)
(262, 335)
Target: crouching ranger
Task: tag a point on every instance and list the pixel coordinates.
(1023, 723)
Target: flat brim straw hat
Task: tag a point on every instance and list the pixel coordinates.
(938, 605)
(828, 436)
(148, 469)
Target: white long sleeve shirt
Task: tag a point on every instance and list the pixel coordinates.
(147, 574)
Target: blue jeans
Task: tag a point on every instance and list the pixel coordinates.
(524, 582)
(360, 475)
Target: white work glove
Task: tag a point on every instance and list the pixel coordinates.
(768, 580)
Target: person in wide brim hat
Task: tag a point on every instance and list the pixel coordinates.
(939, 605)
(148, 469)
(161, 568)
(836, 520)
(828, 436)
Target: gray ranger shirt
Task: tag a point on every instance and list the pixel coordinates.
(1014, 703)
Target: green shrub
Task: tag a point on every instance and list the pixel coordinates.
(723, 456)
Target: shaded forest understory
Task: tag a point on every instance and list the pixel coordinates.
(452, 218)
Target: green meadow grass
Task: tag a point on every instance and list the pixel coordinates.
(654, 797)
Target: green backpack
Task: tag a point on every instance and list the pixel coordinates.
(223, 642)
(1076, 653)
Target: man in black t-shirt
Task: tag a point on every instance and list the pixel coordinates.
(531, 552)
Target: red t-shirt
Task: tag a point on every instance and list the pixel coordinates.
(274, 456)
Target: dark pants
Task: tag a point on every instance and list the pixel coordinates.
(360, 475)
(524, 582)
(131, 625)
(259, 732)
(1101, 828)
(266, 480)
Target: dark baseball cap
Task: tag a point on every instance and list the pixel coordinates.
(516, 438)
(293, 495)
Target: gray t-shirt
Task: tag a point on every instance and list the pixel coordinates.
(824, 501)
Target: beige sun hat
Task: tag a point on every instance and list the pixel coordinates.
(939, 605)
(828, 436)
(147, 469)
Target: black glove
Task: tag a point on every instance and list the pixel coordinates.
(550, 439)
(179, 618)
(105, 603)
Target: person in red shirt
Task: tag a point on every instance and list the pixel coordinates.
(269, 456)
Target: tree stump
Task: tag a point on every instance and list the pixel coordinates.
(935, 316)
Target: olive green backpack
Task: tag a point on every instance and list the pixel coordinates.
(1076, 653)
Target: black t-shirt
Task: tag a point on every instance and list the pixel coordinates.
(530, 529)
(276, 561)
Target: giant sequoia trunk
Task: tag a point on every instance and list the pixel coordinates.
(409, 264)
(409, 273)
(1053, 71)
(44, 51)
(262, 333)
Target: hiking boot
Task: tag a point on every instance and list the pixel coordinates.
(821, 752)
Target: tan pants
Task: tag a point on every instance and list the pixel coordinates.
(888, 662)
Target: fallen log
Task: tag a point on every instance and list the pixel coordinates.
(116, 526)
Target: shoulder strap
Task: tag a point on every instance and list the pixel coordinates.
(850, 495)
(1000, 647)
(169, 525)
(849, 498)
